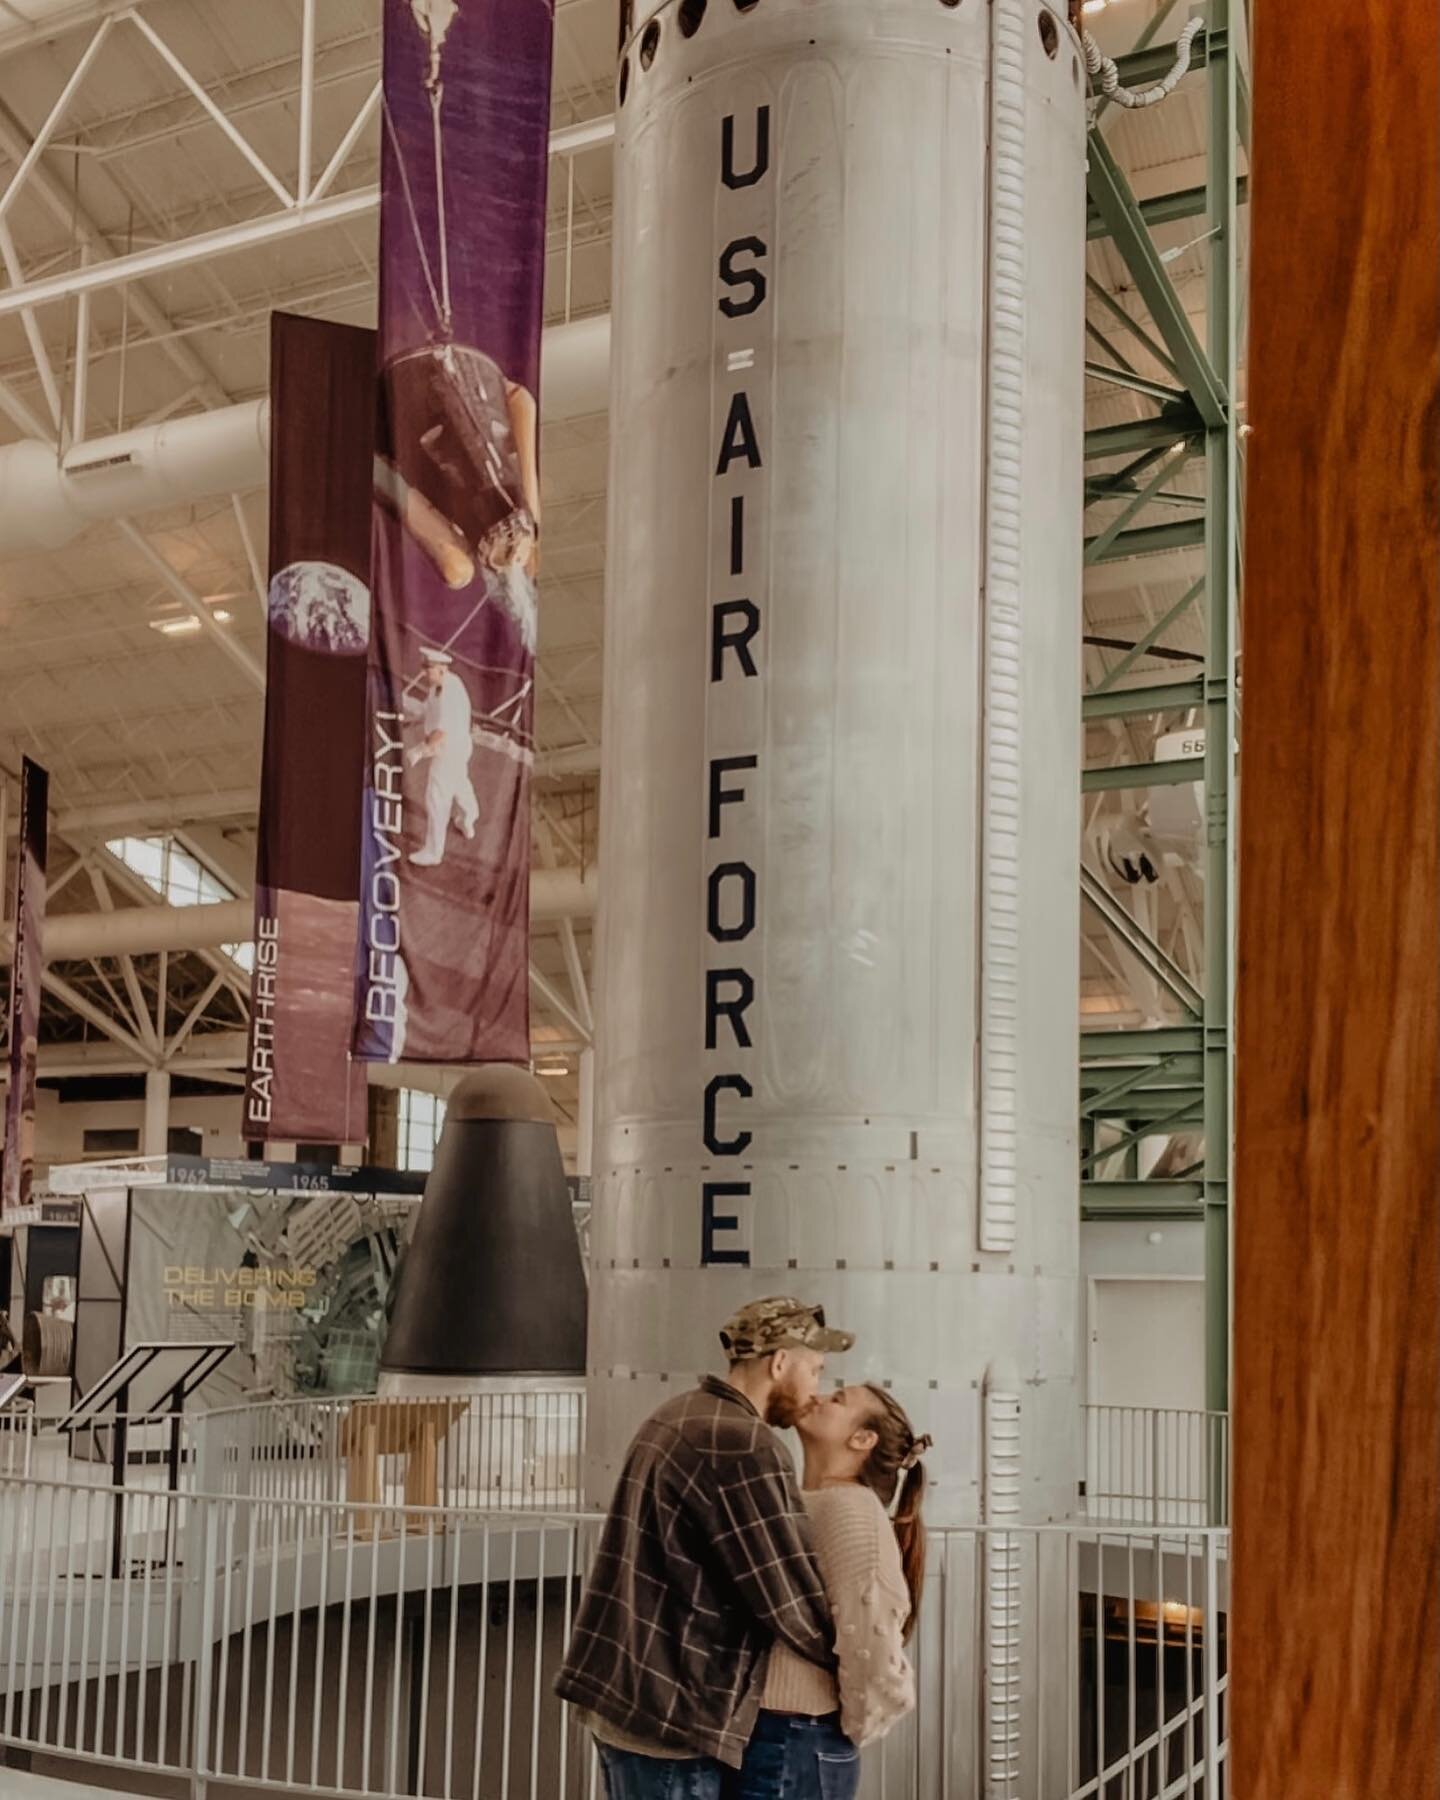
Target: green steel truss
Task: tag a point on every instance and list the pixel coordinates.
(1139, 1083)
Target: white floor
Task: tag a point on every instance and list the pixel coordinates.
(15, 1786)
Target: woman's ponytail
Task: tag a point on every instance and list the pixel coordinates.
(910, 1533)
(895, 1473)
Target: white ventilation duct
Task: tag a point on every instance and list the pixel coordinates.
(45, 501)
(146, 930)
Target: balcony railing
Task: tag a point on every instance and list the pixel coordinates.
(325, 1647)
(523, 1451)
(1155, 1466)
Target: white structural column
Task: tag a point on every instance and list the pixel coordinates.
(156, 1137)
(842, 717)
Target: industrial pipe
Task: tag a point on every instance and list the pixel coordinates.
(46, 501)
(145, 930)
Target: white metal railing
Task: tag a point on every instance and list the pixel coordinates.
(1156, 1466)
(524, 1451)
(17, 1438)
(517, 1450)
(331, 1648)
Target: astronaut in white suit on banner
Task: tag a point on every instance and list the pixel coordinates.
(447, 745)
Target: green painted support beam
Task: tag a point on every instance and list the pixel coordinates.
(1151, 638)
(1223, 307)
(1159, 1110)
(1133, 383)
(1143, 68)
(1158, 1200)
(1142, 775)
(1184, 1069)
(1099, 547)
(1172, 426)
(1148, 540)
(1116, 204)
(1162, 1040)
(1131, 703)
(1169, 209)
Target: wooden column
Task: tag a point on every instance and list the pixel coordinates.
(1335, 1620)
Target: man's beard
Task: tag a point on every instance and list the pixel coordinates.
(784, 1410)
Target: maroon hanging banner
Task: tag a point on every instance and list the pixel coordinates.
(442, 971)
(301, 1081)
(25, 977)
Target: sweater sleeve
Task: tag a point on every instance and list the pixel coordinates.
(871, 1605)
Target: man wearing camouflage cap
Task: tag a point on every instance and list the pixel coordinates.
(704, 1561)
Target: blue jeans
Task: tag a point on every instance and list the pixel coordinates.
(629, 1776)
(791, 1757)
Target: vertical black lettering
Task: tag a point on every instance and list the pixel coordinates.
(716, 1006)
(738, 641)
(715, 1144)
(737, 534)
(733, 277)
(711, 1222)
(729, 174)
(720, 795)
(745, 875)
(739, 439)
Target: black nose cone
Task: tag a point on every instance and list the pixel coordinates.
(492, 1283)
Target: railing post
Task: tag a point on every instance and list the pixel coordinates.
(200, 1732)
(1156, 1434)
(1212, 1667)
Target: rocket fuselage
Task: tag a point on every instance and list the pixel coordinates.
(838, 943)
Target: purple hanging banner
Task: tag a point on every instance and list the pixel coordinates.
(301, 1083)
(25, 977)
(443, 961)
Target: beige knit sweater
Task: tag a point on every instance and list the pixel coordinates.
(860, 1562)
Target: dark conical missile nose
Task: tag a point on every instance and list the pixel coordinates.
(492, 1283)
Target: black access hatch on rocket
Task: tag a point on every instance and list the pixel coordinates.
(492, 1284)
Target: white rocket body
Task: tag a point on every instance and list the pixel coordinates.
(838, 932)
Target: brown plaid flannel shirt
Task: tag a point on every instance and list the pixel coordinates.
(704, 1560)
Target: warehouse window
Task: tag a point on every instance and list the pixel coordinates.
(179, 878)
(422, 1117)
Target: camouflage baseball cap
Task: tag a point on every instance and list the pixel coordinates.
(780, 1323)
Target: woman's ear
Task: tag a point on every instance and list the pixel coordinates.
(863, 1441)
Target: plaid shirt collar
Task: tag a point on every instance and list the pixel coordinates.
(722, 1390)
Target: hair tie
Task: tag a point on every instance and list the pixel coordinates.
(917, 1449)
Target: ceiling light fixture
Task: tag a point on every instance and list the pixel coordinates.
(552, 1071)
(181, 627)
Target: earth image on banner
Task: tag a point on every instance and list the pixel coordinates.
(318, 606)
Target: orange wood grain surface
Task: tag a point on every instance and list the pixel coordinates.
(1335, 1623)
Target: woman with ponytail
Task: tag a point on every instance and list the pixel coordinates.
(864, 1489)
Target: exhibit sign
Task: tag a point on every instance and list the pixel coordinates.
(290, 1177)
(442, 966)
(299, 1283)
(26, 967)
(302, 1085)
